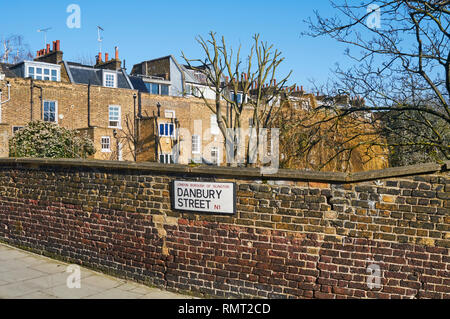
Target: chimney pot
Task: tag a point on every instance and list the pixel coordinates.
(117, 53)
(54, 45)
(100, 57)
(106, 57)
(48, 49)
(58, 45)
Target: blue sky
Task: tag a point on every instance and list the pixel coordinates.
(149, 29)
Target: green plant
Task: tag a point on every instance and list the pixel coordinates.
(48, 140)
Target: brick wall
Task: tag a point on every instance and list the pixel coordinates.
(296, 234)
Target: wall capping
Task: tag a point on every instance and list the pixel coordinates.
(283, 174)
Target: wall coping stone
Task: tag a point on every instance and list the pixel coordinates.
(283, 174)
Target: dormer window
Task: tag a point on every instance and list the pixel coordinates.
(110, 79)
(42, 71)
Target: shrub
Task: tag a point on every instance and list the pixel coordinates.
(48, 140)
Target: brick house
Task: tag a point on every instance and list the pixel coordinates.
(102, 101)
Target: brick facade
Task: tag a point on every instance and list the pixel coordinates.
(303, 236)
(72, 104)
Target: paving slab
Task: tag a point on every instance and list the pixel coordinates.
(24, 275)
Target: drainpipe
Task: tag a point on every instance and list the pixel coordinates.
(41, 99)
(139, 105)
(89, 104)
(135, 129)
(31, 99)
(8, 85)
(32, 86)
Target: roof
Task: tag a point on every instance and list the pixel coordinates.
(138, 83)
(5, 69)
(85, 74)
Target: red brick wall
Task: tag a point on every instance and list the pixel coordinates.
(288, 238)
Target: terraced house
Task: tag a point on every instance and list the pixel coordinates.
(134, 117)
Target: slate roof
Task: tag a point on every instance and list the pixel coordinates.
(138, 84)
(5, 69)
(84, 74)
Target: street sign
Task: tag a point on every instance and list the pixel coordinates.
(203, 197)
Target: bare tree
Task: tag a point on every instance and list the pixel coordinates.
(402, 69)
(14, 50)
(239, 86)
(85, 59)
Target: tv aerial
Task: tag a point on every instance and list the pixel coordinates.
(45, 34)
(99, 37)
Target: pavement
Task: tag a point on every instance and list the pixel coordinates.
(24, 275)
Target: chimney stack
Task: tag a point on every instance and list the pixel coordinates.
(49, 55)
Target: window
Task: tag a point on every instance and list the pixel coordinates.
(15, 129)
(38, 73)
(54, 75)
(196, 144)
(239, 97)
(250, 122)
(166, 129)
(166, 159)
(110, 80)
(114, 116)
(106, 144)
(214, 125)
(42, 73)
(50, 111)
(169, 114)
(46, 74)
(157, 89)
(215, 155)
(164, 89)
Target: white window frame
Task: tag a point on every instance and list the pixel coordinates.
(215, 161)
(18, 128)
(239, 94)
(168, 158)
(164, 135)
(56, 111)
(105, 150)
(198, 142)
(119, 123)
(171, 112)
(105, 74)
(215, 130)
(43, 66)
